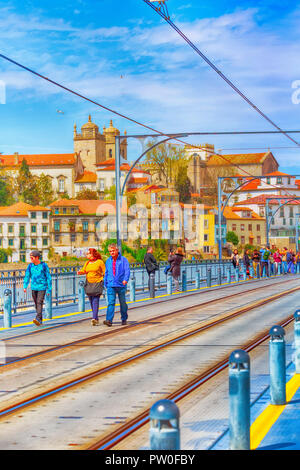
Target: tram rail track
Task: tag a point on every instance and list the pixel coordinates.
(132, 358)
(114, 331)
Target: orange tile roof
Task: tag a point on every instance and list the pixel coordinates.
(87, 177)
(261, 199)
(241, 158)
(39, 160)
(279, 173)
(138, 180)
(20, 209)
(89, 206)
(229, 213)
(109, 165)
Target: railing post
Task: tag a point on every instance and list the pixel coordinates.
(229, 274)
(169, 283)
(277, 366)
(183, 286)
(237, 274)
(164, 426)
(7, 308)
(197, 280)
(48, 305)
(297, 340)
(152, 285)
(132, 289)
(219, 277)
(239, 400)
(81, 296)
(208, 278)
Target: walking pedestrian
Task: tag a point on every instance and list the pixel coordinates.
(94, 269)
(117, 273)
(256, 261)
(235, 259)
(150, 263)
(290, 258)
(246, 261)
(175, 260)
(265, 261)
(39, 277)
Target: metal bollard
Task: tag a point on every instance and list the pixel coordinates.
(197, 281)
(169, 284)
(132, 289)
(152, 285)
(183, 285)
(81, 296)
(297, 340)
(239, 400)
(164, 426)
(48, 305)
(219, 277)
(208, 278)
(229, 275)
(277, 366)
(7, 308)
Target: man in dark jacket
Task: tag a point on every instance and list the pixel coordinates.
(117, 273)
(150, 263)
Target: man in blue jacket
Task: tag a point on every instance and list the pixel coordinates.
(41, 284)
(116, 277)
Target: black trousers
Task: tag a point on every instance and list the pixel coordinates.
(38, 298)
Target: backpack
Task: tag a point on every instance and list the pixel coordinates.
(43, 265)
(266, 255)
(167, 269)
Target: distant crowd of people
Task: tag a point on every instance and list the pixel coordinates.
(267, 260)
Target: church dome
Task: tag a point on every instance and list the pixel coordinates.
(111, 129)
(90, 125)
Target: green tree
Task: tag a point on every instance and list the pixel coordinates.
(165, 162)
(26, 188)
(183, 185)
(110, 193)
(45, 189)
(87, 194)
(6, 192)
(232, 238)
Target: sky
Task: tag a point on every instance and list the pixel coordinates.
(123, 55)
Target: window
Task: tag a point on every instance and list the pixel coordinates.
(289, 180)
(33, 215)
(206, 249)
(234, 227)
(250, 227)
(268, 180)
(281, 212)
(242, 227)
(258, 228)
(242, 240)
(45, 241)
(61, 185)
(258, 240)
(10, 242)
(73, 237)
(10, 228)
(283, 221)
(22, 230)
(291, 222)
(291, 212)
(33, 228)
(57, 237)
(64, 210)
(56, 225)
(101, 184)
(22, 244)
(85, 226)
(85, 237)
(33, 242)
(205, 237)
(279, 180)
(0, 228)
(45, 215)
(45, 228)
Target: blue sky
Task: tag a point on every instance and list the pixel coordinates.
(90, 45)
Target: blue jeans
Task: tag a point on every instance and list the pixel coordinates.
(111, 301)
(94, 301)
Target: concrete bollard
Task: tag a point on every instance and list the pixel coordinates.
(277, 366)
(239, 400)
(152, 285)
(164, 426)
(297, 340)
(81, 296)
(208, 279)
(132, 289)
(169, 284)
(183, 285)
(197, 280)
(7, 302)
(48, 306)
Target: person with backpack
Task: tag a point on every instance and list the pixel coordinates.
(246, 261)
(266, 253)
(38, 274)
(94, 269)
(150, 263)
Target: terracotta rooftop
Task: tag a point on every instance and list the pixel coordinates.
(87, 177)
(20, 209)
(39, 160)
(235, 159)
(229, 213)
(261, 199)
